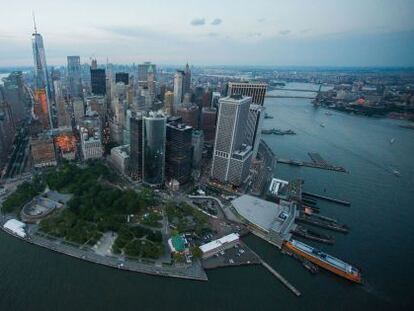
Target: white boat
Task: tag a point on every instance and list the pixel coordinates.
(392, 140)
(396, 173)
(322, 125)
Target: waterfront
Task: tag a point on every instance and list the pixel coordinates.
(379, 242)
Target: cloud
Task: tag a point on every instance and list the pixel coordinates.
(254, 34)
(198, 22)
(261, 20)
(213, 34)
(216, 21)
(306, 30)
(284, 32)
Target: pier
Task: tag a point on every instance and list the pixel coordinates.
(326, 198)
(287, 96)
(328, 167)
(281, 279)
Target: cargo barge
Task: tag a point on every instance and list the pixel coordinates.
(324, 260)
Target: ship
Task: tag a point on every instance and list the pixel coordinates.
(324, 260)
(268, 116)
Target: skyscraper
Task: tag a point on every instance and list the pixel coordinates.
(98, 81)
(14, 95)
(143, 71)
(187, 80)
(254, 127)
(122, 77)
(178, 154)
(74, 76)
(153, 161)
(178, 89)
(257, 91)
(231, 156)
(169, 103)
(135, 162)
(7, 130)
(41, 74)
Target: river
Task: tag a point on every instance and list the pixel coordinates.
(380, 240)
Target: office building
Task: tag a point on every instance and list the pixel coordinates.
(90, 134)
(254, 127)
(122, 77)
(7, 130)
(78, 109)
(187, 80)
(41, 108)
(98, 81)
(197, 141)
(257, 91)
(169, 103)
(178, 155)
(231, 156)
(120, 158)
(15, 96)
(42, 85)
(153, 160)
(189, 115)
(208, 123)
(178, 89)
(136, 144)
(143, 71)
(74, 76)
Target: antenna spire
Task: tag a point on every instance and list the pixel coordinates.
(34, 22)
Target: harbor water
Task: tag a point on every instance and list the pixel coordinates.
(380, 241)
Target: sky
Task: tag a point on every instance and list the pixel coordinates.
(212, 32)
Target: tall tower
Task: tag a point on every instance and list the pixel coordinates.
(178, 89)
(231, 156)
(74, 76)
(153, 158)
(40, 70)
(187, 80)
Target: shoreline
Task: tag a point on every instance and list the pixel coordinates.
(193, 272)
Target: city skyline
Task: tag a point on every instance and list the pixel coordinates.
(270, 33)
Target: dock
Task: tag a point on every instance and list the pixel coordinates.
(281, 279)
(317, 162)
(326, 198)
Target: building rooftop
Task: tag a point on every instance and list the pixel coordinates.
(217, 243)
(264, 214)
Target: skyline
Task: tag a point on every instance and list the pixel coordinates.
(266, 33)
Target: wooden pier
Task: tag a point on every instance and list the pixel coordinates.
(281, 279)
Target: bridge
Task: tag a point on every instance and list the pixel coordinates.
(293, 90)
(288, 96)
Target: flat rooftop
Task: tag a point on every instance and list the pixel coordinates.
(264, 214)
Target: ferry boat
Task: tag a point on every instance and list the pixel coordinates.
(324, 260)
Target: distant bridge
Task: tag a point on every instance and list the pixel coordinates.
(287, 96)
(293, 90)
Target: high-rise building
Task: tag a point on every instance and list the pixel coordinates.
(178, 154)
(98, 81)
(90, 134)
(169, 103)
(78, 109)
(197, 142)
(231, 156)
(151, 83)
(14, 94)
(143, 71)
(41, 108)
(187, 80)
(189, 115)
(41, 73)
(178, 89)
(257, 91)
(136, 136)
(74, 76)
(122, 77)
(254, 127)
(208, 123)
(7, 130)
(153, 160)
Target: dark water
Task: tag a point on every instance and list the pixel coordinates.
(380, 240)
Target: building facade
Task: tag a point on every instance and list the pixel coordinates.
(74, 76)
(231, 156)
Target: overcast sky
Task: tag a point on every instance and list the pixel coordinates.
(212, 32)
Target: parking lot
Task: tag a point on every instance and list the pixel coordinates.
(234, 256)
